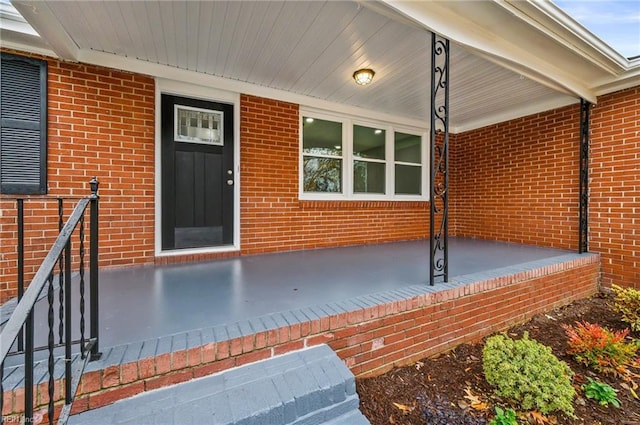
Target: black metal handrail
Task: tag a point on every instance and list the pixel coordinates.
(20, 326)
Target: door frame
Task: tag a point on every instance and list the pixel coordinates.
(177, 88)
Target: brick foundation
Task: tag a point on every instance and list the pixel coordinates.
(370, 340)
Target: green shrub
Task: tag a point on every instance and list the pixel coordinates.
(627, 303)
(601, 392)
(527, 372)
(507, 417)
(600, 348)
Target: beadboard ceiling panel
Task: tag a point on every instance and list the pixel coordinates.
(307, 48)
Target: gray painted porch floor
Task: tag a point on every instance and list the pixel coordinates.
(139, 303)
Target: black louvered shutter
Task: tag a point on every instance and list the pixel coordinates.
(23, 138)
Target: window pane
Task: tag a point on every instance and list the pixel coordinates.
(368, 177)
(321, 137)
(407, 148)
(368, 142)
(408, 180)
(198, 125)
(322, 174)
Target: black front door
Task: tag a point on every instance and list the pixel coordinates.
(197, 173)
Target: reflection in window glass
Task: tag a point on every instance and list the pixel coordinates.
(408, 164)
(322, 161)
(408, 180)
(341, 159)
(369, 166)
(321, 137)
(322, 174)
(407, 148)
(368, 142)
(368, 177)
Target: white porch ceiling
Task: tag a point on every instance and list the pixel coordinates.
(309, 49)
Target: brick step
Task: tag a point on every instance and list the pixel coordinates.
(304, 387)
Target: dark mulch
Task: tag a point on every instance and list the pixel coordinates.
(439, 385)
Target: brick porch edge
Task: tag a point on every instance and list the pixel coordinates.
(371, 334)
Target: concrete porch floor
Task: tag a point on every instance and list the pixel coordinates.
(139, 303)
(169, 324)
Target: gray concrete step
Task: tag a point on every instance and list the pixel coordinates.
(354, 417)
(305, 387)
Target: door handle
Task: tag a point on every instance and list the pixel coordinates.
(230, 182)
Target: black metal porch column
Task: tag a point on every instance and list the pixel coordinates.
(583, 230)
(439, 167)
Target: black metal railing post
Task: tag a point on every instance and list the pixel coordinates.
(21, 323)
(28, 369)
(20, 207)
(1, 392)
(60, 277)
(68, 396)
(93, 270)
(50, 347)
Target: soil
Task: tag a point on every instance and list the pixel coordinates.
(451, 389)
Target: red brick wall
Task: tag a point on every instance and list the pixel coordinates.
(614, 192)
(518, 181)
(273, 219)
(100, 123)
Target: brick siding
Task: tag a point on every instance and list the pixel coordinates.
(274, 219)
(518, 181)
(515, 181)
(101, 122)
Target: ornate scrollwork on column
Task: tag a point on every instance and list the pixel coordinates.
(439, 140)
(583, 243)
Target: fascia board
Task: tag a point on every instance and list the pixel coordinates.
(437, 17)
(46, 24)
(613, 84)
(25, 43)
(551, 20)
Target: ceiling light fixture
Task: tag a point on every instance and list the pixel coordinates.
(363, 76)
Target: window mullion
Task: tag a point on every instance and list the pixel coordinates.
(347, 135)
(389, 155)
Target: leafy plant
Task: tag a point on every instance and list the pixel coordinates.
(503, 417)
(627, 303)
(601, 392)
(527, 372)
(600, 348)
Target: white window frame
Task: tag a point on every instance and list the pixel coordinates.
(425, 164)
(344, 176)
(348, 158)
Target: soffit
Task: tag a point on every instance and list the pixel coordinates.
(311, 49)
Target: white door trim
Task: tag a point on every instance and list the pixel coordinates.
(178, 88)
